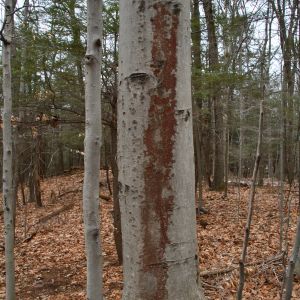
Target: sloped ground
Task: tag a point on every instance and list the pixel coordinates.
(50, 259)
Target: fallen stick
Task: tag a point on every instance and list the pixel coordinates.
(30, 237)
(69, 192)
(45, 219)
(232, 268)
(55, 213)
(102, 196)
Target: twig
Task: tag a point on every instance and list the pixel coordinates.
(55, 213)
(102, 196)
(235, 267)
(250, 206)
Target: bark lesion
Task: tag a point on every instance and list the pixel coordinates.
(159, 148)
(139, 77)
(184, 114)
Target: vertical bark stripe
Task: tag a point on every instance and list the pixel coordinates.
(159, 139)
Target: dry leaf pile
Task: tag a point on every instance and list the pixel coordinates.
(50, 258)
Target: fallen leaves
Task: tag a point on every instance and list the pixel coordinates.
(52, 264)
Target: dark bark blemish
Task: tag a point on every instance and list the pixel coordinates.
(98, 43)
(176, 9)
(95, 234)
(142, 6)
(180, 112)
(184, 113)
(159, 145)
(120, 186)
(139, 77)
(187, 116)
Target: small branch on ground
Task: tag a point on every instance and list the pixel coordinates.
(235, 267)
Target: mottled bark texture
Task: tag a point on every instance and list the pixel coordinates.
(92, 150)
(155, 152)
(8, 186)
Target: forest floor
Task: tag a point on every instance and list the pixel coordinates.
(50, 258)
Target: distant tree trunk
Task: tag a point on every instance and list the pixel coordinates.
(218, 179)
(297, 255)
(226, 156)
(197, 100)
(241, 146)
(286, 31)
(117, 213)
(260, 181)
(21, 149)
(77, 47)
(34, 184)
(155, 152)
(92, 150)
(61, 157)
(8, 186)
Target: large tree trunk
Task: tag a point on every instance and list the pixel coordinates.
(92, 150)
(8, 186)
(155, 152)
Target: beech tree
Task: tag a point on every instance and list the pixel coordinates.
(92, 150)
(155, 152)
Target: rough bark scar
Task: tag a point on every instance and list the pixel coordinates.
(159, 145)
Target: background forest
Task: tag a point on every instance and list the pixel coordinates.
(245, 56)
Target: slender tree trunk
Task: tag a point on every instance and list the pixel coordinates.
(297, 258)
(8, 186)
(281, 197)
(241, 146)
(293, 266)
(226, 157)
(77, 47)
(92, 150)
(286, 30)
(250, 207)
(155, 152)
(197, 100)
(255, 170)
(34, 184)
(117, 213)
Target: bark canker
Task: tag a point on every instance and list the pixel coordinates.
(159, 140)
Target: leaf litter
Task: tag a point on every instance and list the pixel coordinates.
(50, 257)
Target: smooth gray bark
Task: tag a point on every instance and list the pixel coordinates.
(155, 152)
(92, 150)
(8, 186)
